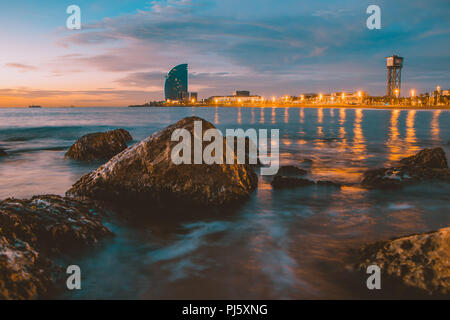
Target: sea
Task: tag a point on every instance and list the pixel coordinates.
(280, 244)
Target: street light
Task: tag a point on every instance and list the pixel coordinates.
(396, 92)
(413, 93)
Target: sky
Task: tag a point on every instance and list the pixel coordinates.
(270, 47)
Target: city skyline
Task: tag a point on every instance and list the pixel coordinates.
(124, 50)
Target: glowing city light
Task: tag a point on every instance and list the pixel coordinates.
(413, 93)
(320, 96)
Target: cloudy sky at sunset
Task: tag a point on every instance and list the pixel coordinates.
(270, 47)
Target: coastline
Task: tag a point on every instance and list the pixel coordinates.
(285, 105)
(325, 106)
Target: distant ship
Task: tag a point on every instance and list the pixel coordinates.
(34, 107)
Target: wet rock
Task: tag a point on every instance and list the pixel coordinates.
(291, 171)
(144, 174)
(99, 146)
(282, 182)
(34, 232)
(24, 274)
(428, 164)
(307, 161)
(326, 183)
(421, 261)
(3, 153)
(426, 159)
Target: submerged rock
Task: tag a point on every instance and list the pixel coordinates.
(144, 174)
(99, 146)
(3, 153)
(35, 231)
(282, 182)
(327, 183)
(421, 261)
(291, 170)
(428, 164)
(289, 182)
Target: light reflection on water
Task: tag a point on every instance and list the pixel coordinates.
(279, 244)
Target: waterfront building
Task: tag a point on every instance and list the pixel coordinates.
(176, 85)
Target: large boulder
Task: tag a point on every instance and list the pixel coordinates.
(421, 261)
(99, 146)
(36, 232)
(145, 174)
(427, 165)
(3, 153)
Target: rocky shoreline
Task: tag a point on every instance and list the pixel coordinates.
(34, 233)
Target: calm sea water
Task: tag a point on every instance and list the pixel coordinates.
(289, 244)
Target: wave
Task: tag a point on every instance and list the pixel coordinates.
(27, 150)
(33, 133)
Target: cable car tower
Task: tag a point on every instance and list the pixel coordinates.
(394, 66)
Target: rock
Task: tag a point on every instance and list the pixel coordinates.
(144, 174)
(282, 182)
(426, 159)
(24, 274)
(421, 261)
(307, 161)
(3, 153)
(99, 146)
(291, 171)
(428, 164)
(326, 183)
(34, 232)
